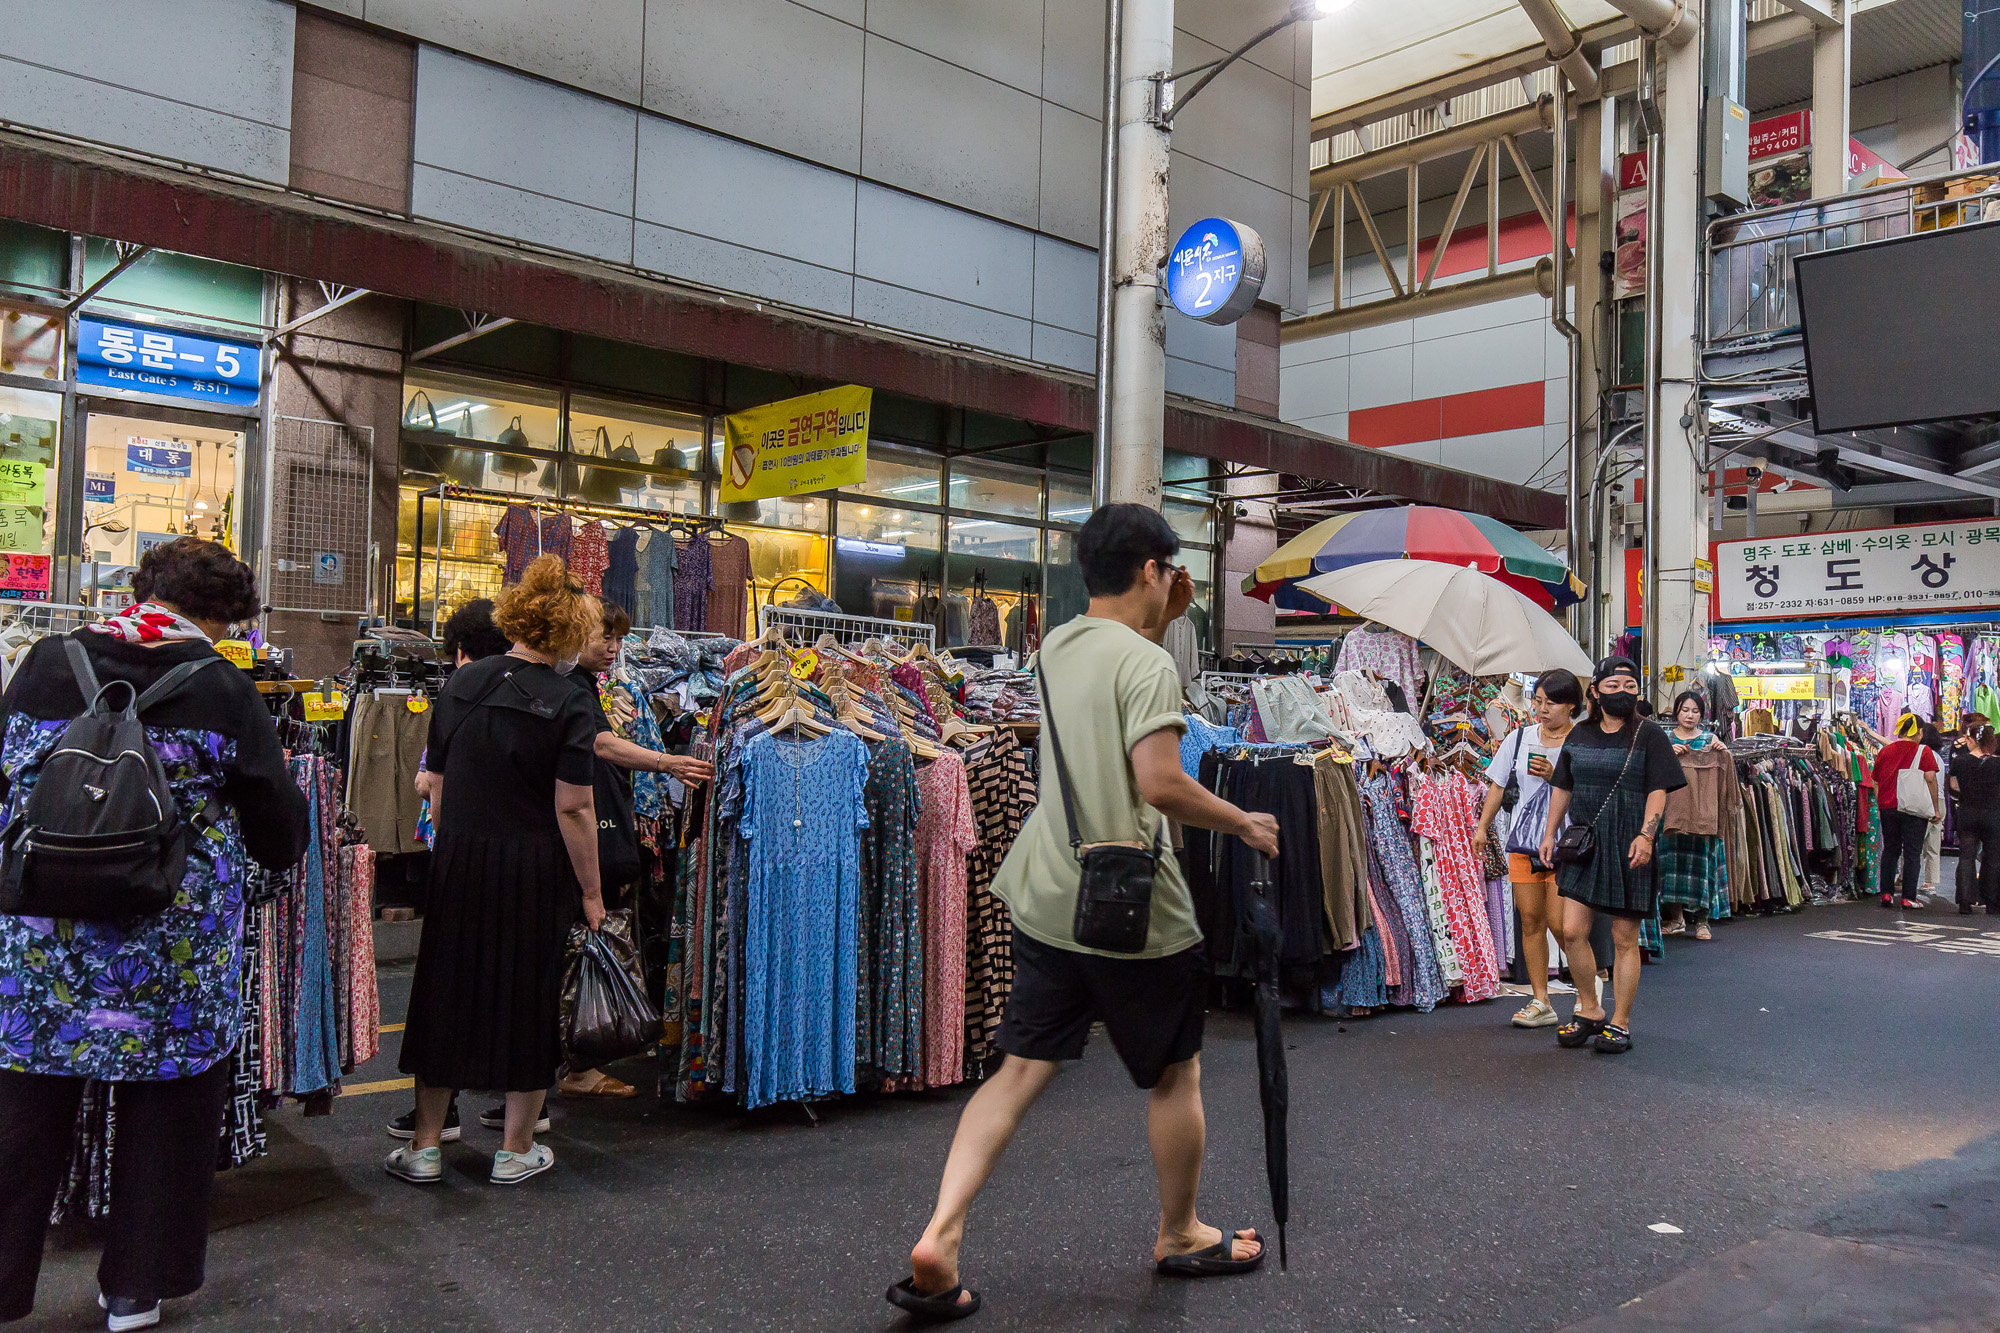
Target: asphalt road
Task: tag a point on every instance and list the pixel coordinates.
(1448, 1173)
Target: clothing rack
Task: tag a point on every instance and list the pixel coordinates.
(843, 627)
(50, 617)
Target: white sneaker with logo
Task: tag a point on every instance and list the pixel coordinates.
(511, 1168)
(419, 1166)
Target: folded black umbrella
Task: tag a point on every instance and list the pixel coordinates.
(1258, 943)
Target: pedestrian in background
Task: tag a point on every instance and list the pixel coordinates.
(1933, 876)
(1908, 809)
(150, 1005)
(516, 852)
(1975, 782)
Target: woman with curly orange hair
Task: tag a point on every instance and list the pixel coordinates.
(511, 745)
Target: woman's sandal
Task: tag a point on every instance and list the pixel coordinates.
(1613, 1040)
(1216, 1260)
(945, 1305)
(1578, 1032)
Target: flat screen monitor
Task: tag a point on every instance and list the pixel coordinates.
(1904, 330)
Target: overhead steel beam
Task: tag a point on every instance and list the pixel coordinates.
(1665, 21)
(1565, 49)
(128, 255)
(1536, 281)
(1816, 12)
(1778, 33)
(70, 187)
(476, 327)
(337, 299)
(1877, 458)
(1540, 115)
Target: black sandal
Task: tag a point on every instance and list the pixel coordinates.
(1215, 1261)
(1613, 1040)
(945, 1305)
(1578, 1032)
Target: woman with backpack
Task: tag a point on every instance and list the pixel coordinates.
(1527, 758)
(141, 992)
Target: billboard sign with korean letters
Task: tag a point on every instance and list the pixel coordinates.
(1867, 572)
(173, 365)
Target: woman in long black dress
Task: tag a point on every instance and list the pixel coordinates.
(516, 847)
(1616, 769)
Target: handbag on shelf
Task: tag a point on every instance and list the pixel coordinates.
(1576, 845)
(1114, 902)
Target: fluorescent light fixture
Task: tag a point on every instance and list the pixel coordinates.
(910, 489)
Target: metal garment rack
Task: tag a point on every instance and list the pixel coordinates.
(49, 617)
(844, 628)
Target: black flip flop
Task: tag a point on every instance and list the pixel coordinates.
(943, 1306)
(1215, 1261)
(1579, 1031)
(1613, 1040)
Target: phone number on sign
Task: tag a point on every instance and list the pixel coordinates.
(1975, 596)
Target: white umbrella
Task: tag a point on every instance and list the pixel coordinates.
(1479, 624)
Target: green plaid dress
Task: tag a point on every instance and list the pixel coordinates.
(1694, 873)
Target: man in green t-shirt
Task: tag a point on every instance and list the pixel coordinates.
(1110, 691)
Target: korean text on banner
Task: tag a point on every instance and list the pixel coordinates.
(813, 443)
(1868, 571)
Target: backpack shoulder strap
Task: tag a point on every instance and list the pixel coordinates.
(171, 683)
(79, 665)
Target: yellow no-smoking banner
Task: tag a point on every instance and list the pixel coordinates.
(812, 443)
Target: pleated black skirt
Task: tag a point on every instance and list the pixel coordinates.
(488, 985)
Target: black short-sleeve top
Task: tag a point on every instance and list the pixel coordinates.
(1654, 766)
(504, 732)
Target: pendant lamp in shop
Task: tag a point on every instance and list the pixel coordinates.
(512, 465)
(600, 485)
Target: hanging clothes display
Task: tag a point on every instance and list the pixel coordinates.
(692, 582)
(728, 607)
(945, 837)
(1001, 777)
(1387, 653)
(523, 536)
(621, 571)
(589, 556)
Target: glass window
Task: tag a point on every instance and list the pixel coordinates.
(884, 559)
(1000, 561)
(1190, 521)
(1201, 568)
(147, 482)
(513, 415)
(28, 484)
(995, 488)
(1066, 598)
(652, 458)
(31, 343)
(779, 562)
(902, 476)
(1069, 498)
(177, 284)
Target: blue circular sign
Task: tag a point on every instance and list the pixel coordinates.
(1215, 271)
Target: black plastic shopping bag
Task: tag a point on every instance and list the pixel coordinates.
(606, 1015)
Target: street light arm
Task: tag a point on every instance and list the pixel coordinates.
(1214, 67)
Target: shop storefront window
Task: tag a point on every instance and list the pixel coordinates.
(652, 459)
(1065, 597)
(441, 409)
(148, 481)
(31, 343)
(886, 559)
(1192, 521)
(1069, 498)
(781, 564)
(1001, 562)
(995, 488)
(29, 469)
(902, 476)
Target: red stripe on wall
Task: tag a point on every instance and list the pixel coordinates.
(1523, 236)
(1510, 407)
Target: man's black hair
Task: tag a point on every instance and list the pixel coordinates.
(1116, 543)
(471, 627)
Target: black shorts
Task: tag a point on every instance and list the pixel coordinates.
(1153, 1008)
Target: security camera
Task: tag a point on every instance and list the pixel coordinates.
(1755, 467)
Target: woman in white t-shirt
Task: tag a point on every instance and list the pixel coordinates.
(1528, 757)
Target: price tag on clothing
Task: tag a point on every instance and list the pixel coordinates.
(237, 652)
(329, 707)
(418, 704)
(804, 664)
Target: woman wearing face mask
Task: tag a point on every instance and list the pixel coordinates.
(1613, 777)
(516, 850)
(1528, 757)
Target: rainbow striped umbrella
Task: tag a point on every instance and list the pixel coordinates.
(1414, 532)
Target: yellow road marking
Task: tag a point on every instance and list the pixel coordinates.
(387, 1085)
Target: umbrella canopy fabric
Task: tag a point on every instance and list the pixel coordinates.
(1414, 532)
(1258, 936)
(1481, 626)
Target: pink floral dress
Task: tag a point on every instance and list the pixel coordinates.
(945, 836)
(1445, 811)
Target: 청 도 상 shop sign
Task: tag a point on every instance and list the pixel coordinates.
(1870, 571)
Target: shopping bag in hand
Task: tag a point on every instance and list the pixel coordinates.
(606, 1014)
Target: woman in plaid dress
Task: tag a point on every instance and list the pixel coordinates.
(1694, 867)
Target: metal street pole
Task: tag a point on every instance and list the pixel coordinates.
(1107, 238)
(1132, 433)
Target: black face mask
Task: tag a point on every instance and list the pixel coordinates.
(1619, 705)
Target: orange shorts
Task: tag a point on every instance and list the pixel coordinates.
(1519, 871)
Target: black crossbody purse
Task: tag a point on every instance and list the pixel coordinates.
(1576, 845)
(1114, 903)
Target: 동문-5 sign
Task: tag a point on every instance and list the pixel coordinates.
(1866, 572)
(816, 442)
(172, 365)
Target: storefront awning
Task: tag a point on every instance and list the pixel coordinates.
(77, 189)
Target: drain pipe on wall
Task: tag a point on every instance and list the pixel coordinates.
(1649, 113)
(1578, 536)
(1565, 51)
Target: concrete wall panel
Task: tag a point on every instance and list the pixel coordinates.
(1066, 286)
(589, 44)
(1072, 157)
(503, 210)
(927, 247)
(1073, 56)
(1001, 39)
(947, 133)
(722, 188)
(935, 317)
(737, 268)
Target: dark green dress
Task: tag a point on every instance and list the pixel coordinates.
(1590, 768)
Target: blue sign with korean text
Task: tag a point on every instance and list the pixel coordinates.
(157, 458)
(174, 365)
(99, 488)
(1215, 271)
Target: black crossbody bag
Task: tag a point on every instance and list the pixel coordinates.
(1114, 903)
(1576, 845)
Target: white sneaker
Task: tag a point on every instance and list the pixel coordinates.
(124, 1314)
(1536, 1014)
(511, 1168)
(419, 1166)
